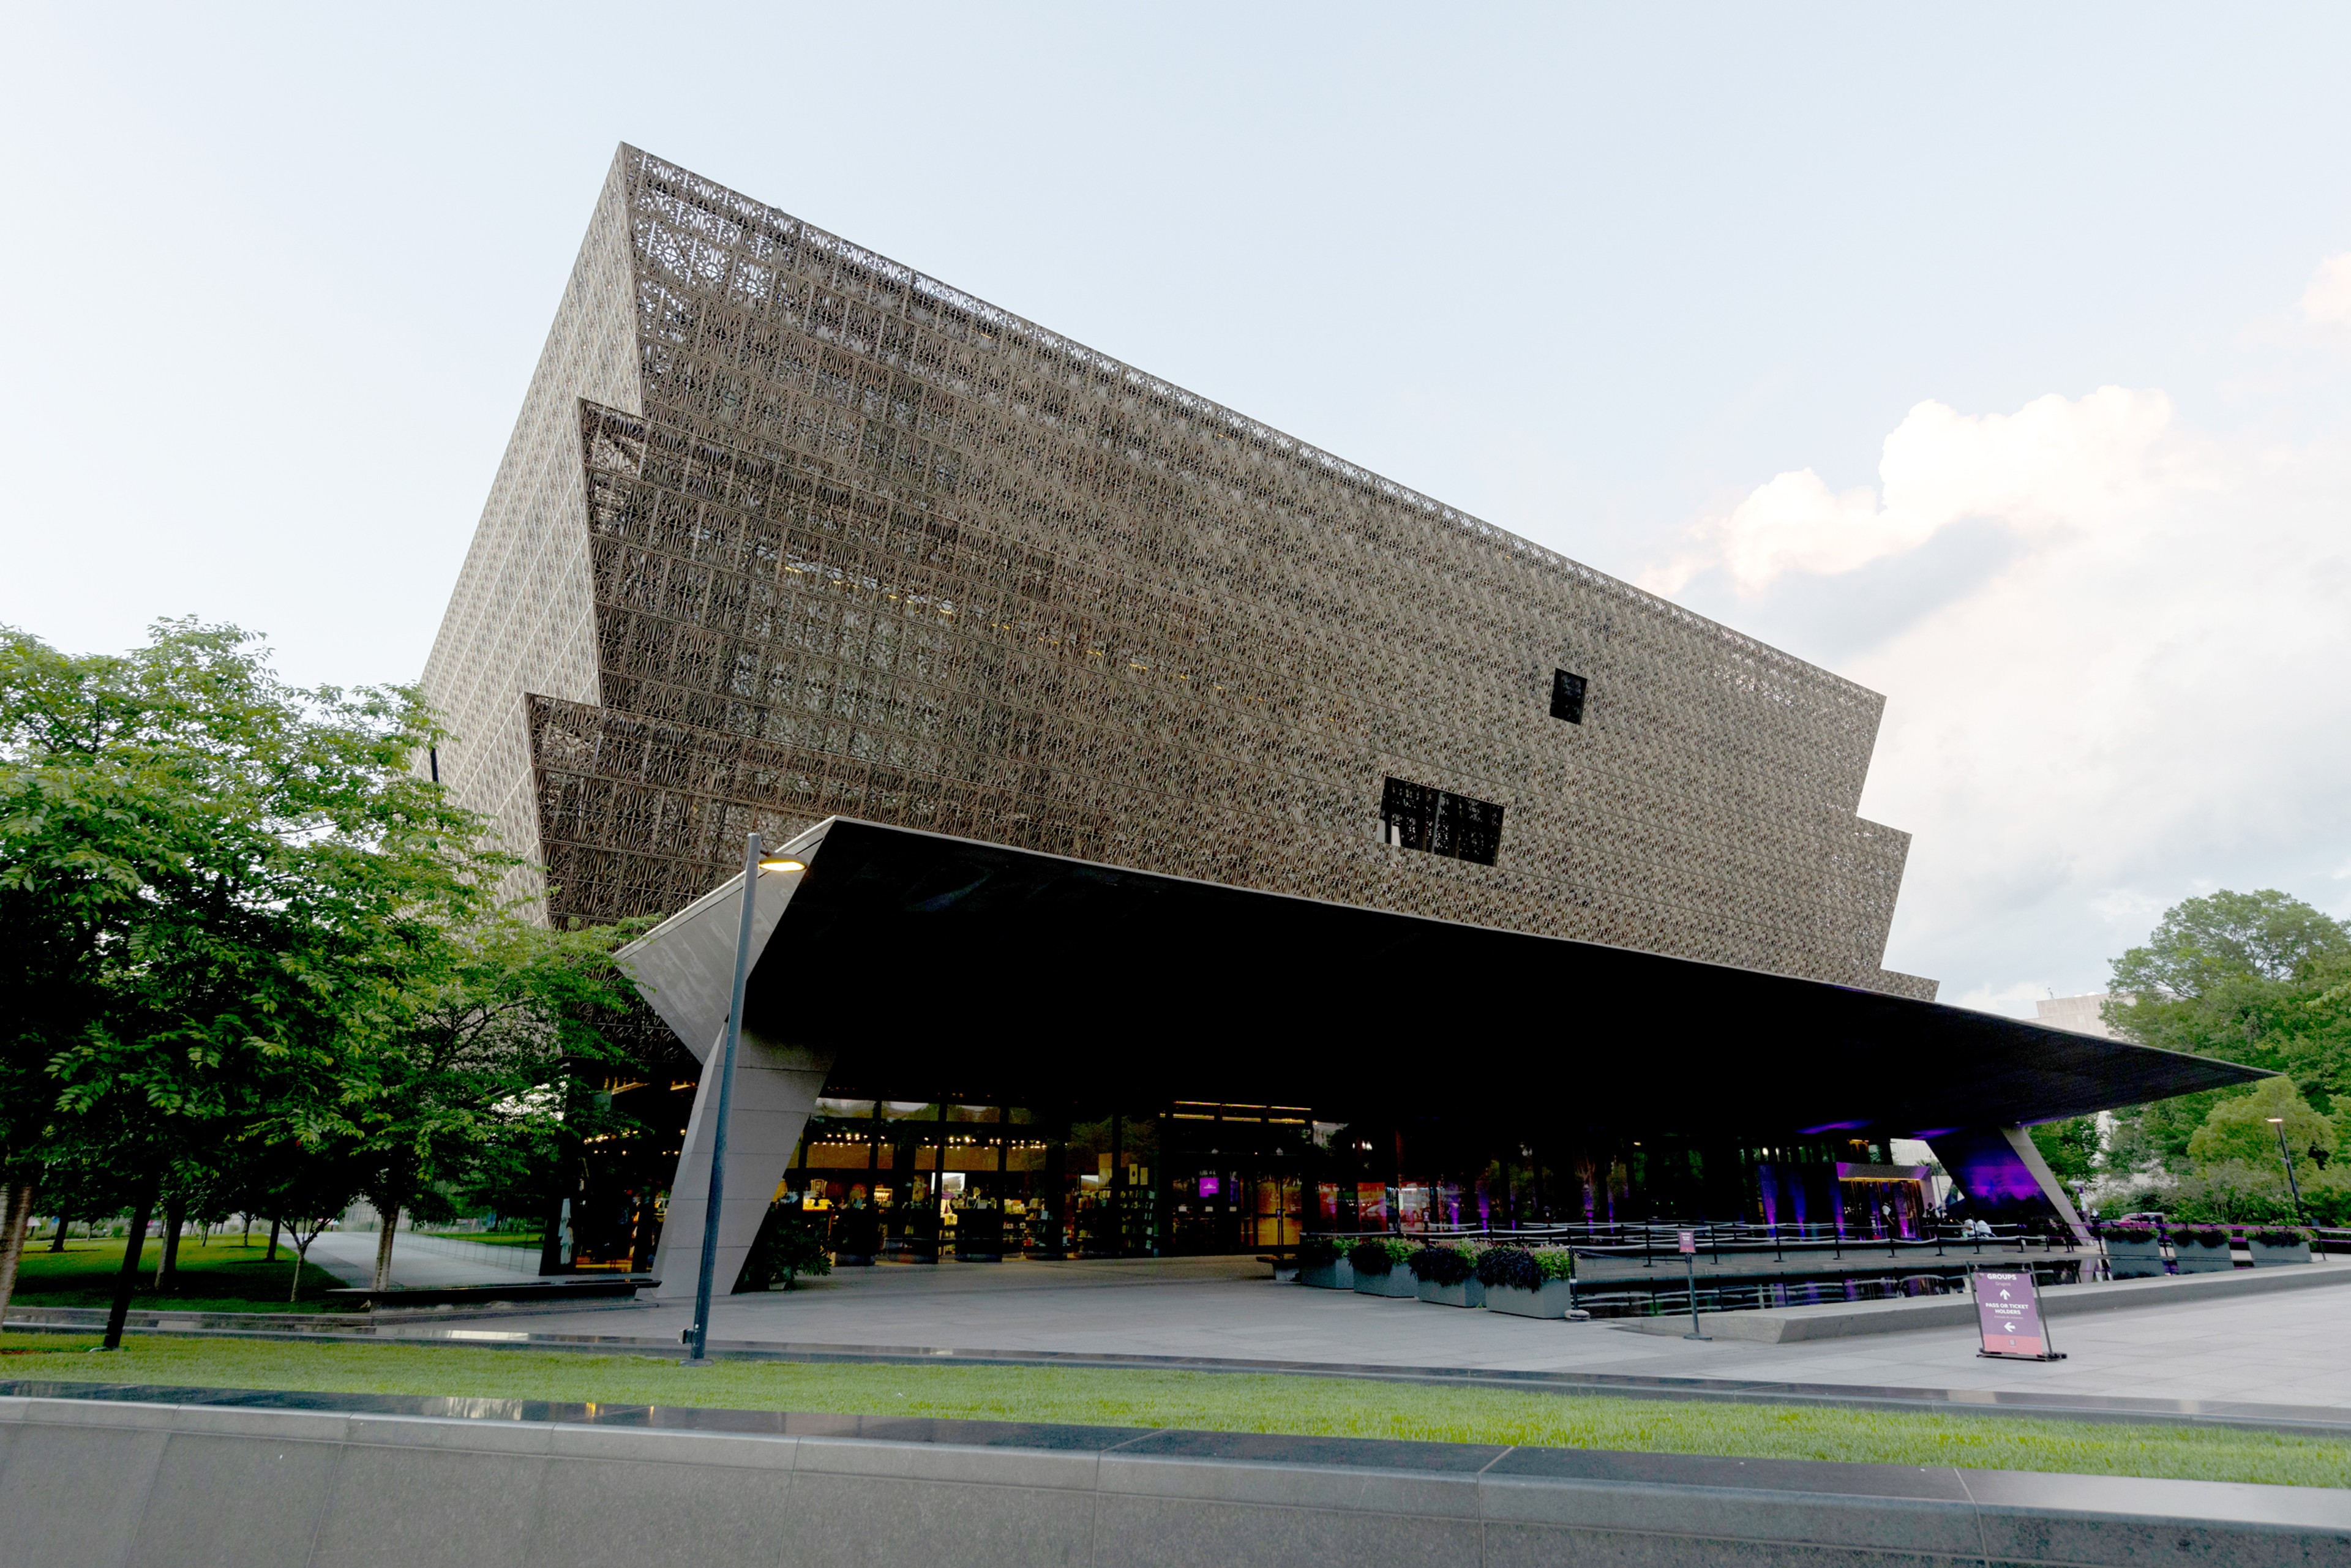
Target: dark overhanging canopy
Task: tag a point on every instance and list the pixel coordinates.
(925, 958)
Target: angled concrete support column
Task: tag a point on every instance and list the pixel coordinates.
(685, 968)
(1998, 1167)
(775, 1088)
(2028, 1153)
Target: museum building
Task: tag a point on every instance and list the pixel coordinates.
(1424, 841)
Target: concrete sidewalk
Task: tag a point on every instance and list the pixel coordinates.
(417, 1262)
(2290, 1349)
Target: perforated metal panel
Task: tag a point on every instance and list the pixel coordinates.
(848, 542)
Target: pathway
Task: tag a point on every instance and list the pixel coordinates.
(2292, 1348)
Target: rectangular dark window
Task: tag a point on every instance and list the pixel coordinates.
(1567, 696)
(1439, 822)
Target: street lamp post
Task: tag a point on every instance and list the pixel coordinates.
(2286, 1154)
(698, 1336)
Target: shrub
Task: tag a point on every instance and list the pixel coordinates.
(790, 1243)
(2201, 1236)
(1371, 1255)
(2281, 1236)
(1509, 1269)
(1443, 1265)
(1556, 1262)
(2132, 1233)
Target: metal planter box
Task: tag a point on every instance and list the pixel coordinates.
(2194, 1257)
(1552, 1299)
(1339, 1275)
(2134, 1260)
(1467, 1293)
(2265, 1255)
(1397, 1282)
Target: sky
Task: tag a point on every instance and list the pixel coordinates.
(1999, 360)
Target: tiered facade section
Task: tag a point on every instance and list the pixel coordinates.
(840, 539)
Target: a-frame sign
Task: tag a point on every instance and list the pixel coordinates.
(2008, 1313)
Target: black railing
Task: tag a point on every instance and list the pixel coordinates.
(1652, 1239)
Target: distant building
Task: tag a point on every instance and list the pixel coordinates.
(2079, 1014)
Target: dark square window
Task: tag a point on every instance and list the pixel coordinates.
(1408, 814)
(1439, 822)
(1567, 696)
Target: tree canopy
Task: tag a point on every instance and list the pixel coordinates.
(2257, 977)
(234, 914)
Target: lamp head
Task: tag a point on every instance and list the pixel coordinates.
(783, 863)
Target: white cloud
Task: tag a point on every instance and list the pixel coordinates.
(2139, 694)
(2055, 464)
(2327, 301)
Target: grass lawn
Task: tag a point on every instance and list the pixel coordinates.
(224, 1277)
(487, 1237)
(1238, 1402)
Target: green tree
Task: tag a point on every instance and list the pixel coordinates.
(2070, 1147)
(2239, 1170)
(2240, 1129)
(470, 1053)
(301, 1188)
(2258, 977)
(208, 879)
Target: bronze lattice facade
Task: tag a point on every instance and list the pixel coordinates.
(787, 530)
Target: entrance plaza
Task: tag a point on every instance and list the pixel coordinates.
(2288, 1349)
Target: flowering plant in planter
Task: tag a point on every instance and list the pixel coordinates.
(1508, 1268)
(1378, 1254)
(1528, 1282)
(1318, 1252)
(2202, 1250)
(1443, 1265)
(2131, 1232)
(2280, 1236)
(1323, 1263)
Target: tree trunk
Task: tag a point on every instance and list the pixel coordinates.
(167, 1265)
(58, 1242)
(301, 1256)
(126, 1278)
(389, 1216)
(15, 1218)
(271, 1256)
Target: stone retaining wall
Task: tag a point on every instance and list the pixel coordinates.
(94, 1483)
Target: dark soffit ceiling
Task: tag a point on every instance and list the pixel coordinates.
(929, 959)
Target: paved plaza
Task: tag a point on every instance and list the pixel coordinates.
(422, 1262)
(2290, 1348)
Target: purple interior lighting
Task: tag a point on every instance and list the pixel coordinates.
(1988, 1170)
